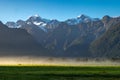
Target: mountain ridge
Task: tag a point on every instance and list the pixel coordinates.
(70, 38)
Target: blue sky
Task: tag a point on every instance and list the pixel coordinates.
(12, 10)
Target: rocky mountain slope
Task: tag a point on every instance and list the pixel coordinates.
(109, 44)
(17, 42)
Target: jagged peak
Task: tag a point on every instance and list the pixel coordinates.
(83, 16)
(36, 15)
(106, 16)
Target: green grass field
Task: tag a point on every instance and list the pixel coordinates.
(59, 73)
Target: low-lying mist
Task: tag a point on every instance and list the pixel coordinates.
(52, 61)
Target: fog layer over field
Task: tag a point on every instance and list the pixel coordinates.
(56, 61)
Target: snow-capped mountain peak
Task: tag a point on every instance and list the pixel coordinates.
(44, 24)
(82, 16)
(34, 18)
(36, 15)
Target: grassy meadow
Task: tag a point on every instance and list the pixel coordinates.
(59, 72)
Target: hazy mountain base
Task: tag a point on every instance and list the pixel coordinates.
(38, 61)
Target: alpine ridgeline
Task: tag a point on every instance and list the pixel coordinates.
(77, 37)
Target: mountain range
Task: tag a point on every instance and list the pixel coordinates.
(82, 36)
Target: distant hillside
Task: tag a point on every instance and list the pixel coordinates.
(14, 42)
(109, 44)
